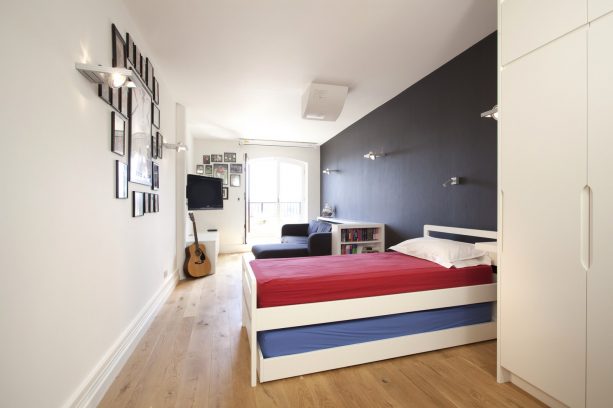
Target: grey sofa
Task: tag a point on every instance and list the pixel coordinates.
(308, 239)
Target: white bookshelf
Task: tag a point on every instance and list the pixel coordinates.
(363, 236)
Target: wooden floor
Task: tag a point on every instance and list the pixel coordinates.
(196, 355)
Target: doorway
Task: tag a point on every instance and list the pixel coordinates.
(276, 195)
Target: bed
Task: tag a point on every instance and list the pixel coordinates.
(300, 325)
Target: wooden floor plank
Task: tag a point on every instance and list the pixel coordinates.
(195, 354)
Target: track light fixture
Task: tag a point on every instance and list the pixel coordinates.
(179, 147)
(373, 156)
(328, 171)
(112, 77)
(492, 113)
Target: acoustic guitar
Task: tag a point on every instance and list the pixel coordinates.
(197, 264)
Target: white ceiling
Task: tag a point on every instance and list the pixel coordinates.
(241, 66)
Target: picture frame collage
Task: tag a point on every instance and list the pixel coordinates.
(224, 167)
(135, 125)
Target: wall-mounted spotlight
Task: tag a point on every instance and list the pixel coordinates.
(492, 113)
(328, 171)
(113, 77)
(452, 182)
(373, 156)
(179, 147)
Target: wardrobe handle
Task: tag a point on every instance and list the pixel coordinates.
(501, 232)
(586, 209)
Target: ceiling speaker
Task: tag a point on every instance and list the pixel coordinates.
(323, 101)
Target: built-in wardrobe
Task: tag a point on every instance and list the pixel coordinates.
(556, 199)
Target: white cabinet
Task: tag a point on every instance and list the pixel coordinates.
(543, 141)
(598, 8)
(526, 25)
(600, 171)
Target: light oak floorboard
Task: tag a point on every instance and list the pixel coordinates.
(195, 354)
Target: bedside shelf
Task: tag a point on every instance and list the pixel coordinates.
(358, 230)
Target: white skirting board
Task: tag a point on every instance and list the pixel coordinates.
(275, 368)
(93, 388)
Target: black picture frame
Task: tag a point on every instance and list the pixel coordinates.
(138, 204)
(116, 99)
(139, 61)
(130, 46)
(106, 94)
(156, 203)
(229, 157)
(123, 101)
(160, 145)
(216, 158)
(149, 75)
(119, 48)
(206, 159)
(235, 180)
(208, 170)
(220, 170)
(156, 91)
(155, 115)
(121, 180)
(225, 193)
(139, 162)
(154, 145)
(118, 134)
(199, 168)
(236, 168)
(155, 176)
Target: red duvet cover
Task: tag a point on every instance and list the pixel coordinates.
(291, 281)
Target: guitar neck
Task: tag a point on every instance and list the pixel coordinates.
(195, 234)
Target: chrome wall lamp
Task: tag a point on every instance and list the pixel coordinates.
(492, 113)
(179, 147)
(373, 156)
(329, 171)
(452, 182)
(112, 77)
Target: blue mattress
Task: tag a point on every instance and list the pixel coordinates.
(282, 342)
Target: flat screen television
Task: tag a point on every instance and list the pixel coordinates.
(204, 193)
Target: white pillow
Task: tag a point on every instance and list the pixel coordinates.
(444, 252)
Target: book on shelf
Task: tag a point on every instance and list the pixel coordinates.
(359, 234)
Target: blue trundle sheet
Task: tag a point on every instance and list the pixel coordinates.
(282, 342)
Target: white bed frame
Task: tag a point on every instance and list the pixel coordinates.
(258, 319)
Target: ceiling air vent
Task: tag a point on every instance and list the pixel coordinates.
(323, 101)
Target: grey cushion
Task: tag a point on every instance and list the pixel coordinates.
(264, 251)
(319, 226)
(290, 239)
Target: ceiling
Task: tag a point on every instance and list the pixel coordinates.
(241, 66)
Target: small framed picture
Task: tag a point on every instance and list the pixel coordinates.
(160, 144)
(155, 176)
(200, 169)
(116, 98)
(123, 101)
(119, 48)
(130, 50)
(139, 62)
(106, 94)
(221, 171)
(235, 180)
(208, 170)
(206, 159)
(156, 91)
(229, 157)
(121, 179)
(118, 134)
(154, 145)
(147, 203)
(224, 192)
(236, 168)
(138, 204)
(149, 74)
(216, 158)
(156, 203)
(155, 115)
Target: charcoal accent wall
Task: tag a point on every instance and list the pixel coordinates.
(430, 132)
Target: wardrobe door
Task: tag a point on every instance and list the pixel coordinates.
(526, 25)
(600, 171)
(597, 8)
(543, 137)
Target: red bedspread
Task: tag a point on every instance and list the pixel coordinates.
(291, 281)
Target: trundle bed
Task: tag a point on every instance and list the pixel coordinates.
(305, 315)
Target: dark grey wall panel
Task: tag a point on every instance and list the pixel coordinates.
(432, 131)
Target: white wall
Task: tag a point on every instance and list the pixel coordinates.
(76, 268)
(231, 219)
